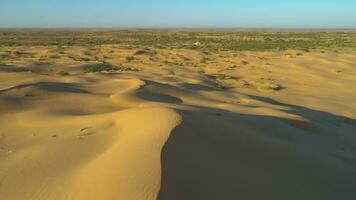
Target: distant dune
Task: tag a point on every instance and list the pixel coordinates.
(239, 125)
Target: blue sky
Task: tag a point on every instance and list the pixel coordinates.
(179, 13)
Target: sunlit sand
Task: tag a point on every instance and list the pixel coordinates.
(142, 121)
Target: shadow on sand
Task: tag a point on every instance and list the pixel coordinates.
(216, 154)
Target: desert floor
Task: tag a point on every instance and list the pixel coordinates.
(242, 125)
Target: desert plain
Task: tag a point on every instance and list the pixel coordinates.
(177, 114)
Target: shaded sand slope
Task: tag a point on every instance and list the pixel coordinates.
(233, 156)
(153, 134)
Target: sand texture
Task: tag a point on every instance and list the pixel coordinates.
(250, 125)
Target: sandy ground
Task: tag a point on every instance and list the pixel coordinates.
(279, 127)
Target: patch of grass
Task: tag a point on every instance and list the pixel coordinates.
(232, 67)
(19, 53)
(85, 59)
(55, 56)
(100, 68)
(78, 58)
(146, 51)
(267, 86)
(5, 56)
(7, 68)
(130, 58)
(170, 72)
(220, 77)
(244, 62)
(170, 63)
(63, 73)
(204, 60)
(88, 53)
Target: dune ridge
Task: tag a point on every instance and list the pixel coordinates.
(133, 136)
(130, 167)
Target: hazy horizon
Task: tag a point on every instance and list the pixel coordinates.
(198, 14)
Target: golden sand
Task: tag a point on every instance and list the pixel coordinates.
(279, 126)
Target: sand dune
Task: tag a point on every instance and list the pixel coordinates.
(279, 131)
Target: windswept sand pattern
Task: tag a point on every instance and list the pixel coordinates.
(282, 130)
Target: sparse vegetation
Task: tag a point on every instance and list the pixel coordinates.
(106, 67)
(146, 51)
(55, 56)
(170, 72)
(245, 62)
(204, 60)
(208, 41)
(130, 58)
(269, 86)
(100, 68)
(63, 73)
(220, 77)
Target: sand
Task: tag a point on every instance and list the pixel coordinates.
(277, 129)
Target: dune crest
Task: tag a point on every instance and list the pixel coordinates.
(107, 155)
(130, 167)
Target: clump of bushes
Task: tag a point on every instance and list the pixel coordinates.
(105, 67)
(100, 68)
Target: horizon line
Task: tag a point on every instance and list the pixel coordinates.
(190, 28)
